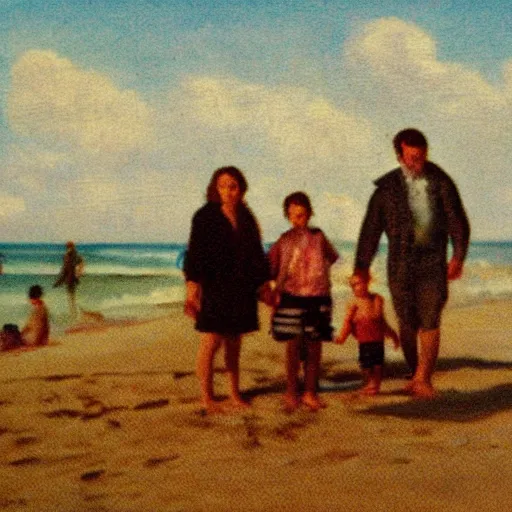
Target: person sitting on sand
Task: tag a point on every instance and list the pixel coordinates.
(37, 328)
(365, 320)
(300, 262)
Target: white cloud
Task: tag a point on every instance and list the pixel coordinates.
(11, 205)
(301, 128)
(52, 99)
(402, 59)
(341, 215)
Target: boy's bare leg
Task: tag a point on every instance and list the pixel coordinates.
(208, 346)
(232, 345)
(310, 398)
(292, 370)
(429, 351)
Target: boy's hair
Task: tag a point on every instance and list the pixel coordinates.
(212, 194)
(300, 199)
(410, 137)
(35, 292)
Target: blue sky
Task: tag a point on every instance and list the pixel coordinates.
(113, 115)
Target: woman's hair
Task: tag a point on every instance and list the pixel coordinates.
(212, 194)
(300, 199)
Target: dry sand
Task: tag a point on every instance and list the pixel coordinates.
(107, 419)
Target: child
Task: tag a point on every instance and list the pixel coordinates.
(300, 262)
(365, 320)
(37, 329)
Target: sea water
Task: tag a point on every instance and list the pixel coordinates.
(137, 281)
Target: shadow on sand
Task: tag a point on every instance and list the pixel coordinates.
(451, 405)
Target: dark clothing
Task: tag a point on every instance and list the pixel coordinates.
(67, 274)
(389, 212)
(307, 318)
(371, 353)
(230, 265)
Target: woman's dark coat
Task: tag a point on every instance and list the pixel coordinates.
(230, 265)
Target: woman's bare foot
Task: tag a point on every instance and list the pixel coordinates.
(313, 402)
(291, 402)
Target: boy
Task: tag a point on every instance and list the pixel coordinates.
(300, 263)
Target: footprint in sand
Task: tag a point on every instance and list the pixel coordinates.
(151, 404)
(92, 475)
(157, 461)
(26, 440)
(58, 378)
(181, 375)
(26, 461)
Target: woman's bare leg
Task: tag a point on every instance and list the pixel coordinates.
(232, 346)
(208, 346)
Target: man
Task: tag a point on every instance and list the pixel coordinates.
(418, 207)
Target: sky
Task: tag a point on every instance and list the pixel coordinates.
(114, 114)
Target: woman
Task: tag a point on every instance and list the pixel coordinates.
(224, 267)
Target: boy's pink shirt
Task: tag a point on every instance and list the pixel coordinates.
(300, 261)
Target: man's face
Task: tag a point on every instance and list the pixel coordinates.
(413, 158)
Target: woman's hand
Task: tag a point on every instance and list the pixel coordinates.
(192, 300)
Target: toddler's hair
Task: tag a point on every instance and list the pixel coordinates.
(300, 199)
(358, 277)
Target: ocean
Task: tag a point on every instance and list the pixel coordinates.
(141, 281)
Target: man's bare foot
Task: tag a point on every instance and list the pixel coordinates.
(313, 402)
(424, 391)
(291, 402)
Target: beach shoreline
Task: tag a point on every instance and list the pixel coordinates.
(107, 418)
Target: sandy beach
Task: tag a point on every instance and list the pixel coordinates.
(106, 418)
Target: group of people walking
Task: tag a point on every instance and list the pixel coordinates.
(416, 205)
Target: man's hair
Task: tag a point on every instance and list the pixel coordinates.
(300, 199)
(410, 137)
(212, 194)
(35, 292)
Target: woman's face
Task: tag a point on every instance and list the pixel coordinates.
(229, 190)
